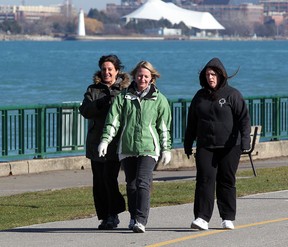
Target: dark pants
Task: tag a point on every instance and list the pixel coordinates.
(107, 198)
(216, 167)
(138, 171)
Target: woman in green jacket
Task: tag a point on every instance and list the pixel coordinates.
(142, 114)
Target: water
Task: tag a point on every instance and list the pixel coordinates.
(55, 72)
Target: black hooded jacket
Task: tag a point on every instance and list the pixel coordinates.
(217, 118)
(95, 107)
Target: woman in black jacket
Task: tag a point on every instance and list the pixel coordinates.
(107, 83)
(219, 122)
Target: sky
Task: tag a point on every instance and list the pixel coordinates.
(84, 4)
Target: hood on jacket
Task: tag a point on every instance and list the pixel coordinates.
(123, 79)
(217, 66)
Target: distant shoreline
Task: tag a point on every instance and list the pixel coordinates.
(18, 37)
(135, 37)
(73, 38)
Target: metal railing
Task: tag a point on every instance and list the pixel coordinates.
(269, 112)
(38, 131)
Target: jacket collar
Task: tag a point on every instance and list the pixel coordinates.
(151, 94)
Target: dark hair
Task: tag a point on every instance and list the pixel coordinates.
(113, 59)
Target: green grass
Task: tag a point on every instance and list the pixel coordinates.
(57, 205)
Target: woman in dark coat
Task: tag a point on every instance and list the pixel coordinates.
(219, 121)
(107, 83)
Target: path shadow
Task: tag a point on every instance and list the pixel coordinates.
(174, 178)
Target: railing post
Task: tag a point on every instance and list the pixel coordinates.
(75, 128)
(262, 115)
(4, 133)
(21, 131)
(40, 132)
(283, 116)
(59, 128)
(184, 118)
(276, 118)
(251, 110)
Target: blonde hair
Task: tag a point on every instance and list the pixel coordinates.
(146, 65)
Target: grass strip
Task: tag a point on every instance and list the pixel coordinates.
(67, 204)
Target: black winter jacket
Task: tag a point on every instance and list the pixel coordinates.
(217, 119)
(95, 107)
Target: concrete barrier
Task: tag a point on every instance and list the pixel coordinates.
(43, 165)
(263, 150)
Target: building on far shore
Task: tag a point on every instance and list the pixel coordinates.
(34, 13)
(248, 13)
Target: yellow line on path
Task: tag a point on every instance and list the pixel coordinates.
(207, 233)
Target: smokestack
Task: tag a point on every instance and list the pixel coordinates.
(81, 24)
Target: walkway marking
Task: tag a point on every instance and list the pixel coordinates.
(207, 233)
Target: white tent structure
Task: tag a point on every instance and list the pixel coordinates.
(157, 10)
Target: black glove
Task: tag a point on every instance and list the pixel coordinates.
(188, 152)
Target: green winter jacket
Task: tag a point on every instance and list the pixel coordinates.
(144, 124)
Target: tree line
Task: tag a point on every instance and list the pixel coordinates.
(99, 23)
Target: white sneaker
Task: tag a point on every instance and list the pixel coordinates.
(138, 228)
(199, 224)
(227, 224)
(131, 224)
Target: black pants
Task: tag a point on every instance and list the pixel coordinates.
(107, 198)
(216, 168)
(139, 174)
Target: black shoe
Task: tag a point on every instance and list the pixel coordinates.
(131, 224)
(112, 222)
(103, 225)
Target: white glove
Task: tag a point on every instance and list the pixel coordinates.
(102, 149)
(166, 157)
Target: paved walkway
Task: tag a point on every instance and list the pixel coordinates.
(76, 178)
(262, 219)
